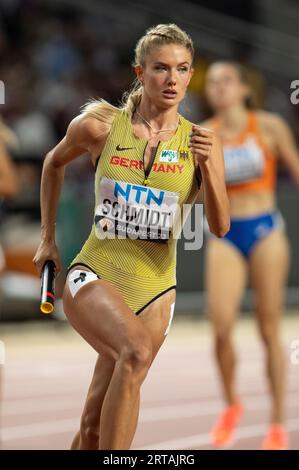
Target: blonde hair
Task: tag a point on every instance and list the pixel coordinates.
(155, 36)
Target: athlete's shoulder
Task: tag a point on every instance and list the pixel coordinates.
(205, 124)
(269, 121)
(88, 128)
(184, 122)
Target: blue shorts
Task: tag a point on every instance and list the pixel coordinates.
(244, 233)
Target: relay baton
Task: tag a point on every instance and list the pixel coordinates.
(47, 287)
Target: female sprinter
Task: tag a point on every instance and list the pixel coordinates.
(120, 289)
(256, 243)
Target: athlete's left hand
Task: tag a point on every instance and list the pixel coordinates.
(201, 142)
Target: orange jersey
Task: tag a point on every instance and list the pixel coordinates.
(249, 165)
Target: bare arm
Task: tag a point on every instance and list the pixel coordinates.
(8, 174)
(288, 151)
(207, 150)
(84, 134)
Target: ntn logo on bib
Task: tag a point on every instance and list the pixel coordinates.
(130, 193)
(134, 193)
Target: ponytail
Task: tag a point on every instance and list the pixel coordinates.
(106, 112)
(131, 99)
(156, 36)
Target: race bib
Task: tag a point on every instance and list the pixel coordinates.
(243, 163)
(127, 210)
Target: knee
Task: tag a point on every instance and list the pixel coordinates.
(268, 324)
(136, 356)
(269, 333)
(89, 433)
(222, 334)
(222, 321)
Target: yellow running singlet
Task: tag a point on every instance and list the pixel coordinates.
(141, 269)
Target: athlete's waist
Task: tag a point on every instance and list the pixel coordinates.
(138, 257)
(241, 226)
(139, 270)
(274, 213)
(251, 203)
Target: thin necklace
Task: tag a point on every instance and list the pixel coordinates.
(161, 130)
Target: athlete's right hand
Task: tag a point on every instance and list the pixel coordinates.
(46, 251)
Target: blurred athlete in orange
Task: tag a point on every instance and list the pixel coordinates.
(256, 243)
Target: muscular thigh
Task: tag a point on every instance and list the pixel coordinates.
(225, 279)
(157, 318)
(98, 312)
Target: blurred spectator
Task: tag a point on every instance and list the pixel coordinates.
(8, 174)
(35, 133)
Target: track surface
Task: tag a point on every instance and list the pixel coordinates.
(48, 368)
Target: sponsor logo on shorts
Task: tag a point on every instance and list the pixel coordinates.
(79, 278)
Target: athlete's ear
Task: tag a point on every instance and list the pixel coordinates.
(139, 73)
(191, 72)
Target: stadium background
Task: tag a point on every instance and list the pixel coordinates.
(54, 56)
